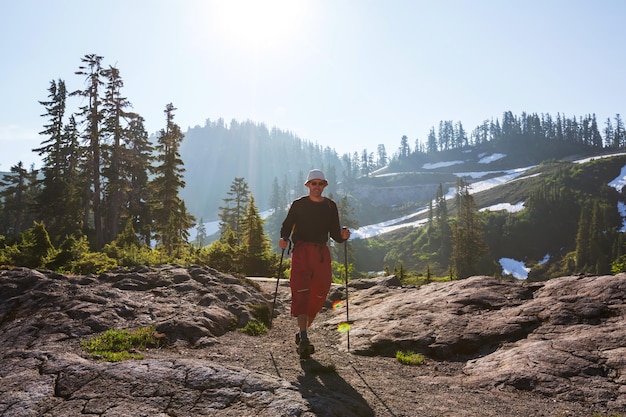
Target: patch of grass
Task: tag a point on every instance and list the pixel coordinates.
(119, 345)
(410, 358)
(254, 328)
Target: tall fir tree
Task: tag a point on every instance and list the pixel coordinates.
(138, 167)
(170, 217)
(58, 203)
(18, 190)
(256, 248)
(201, 234)
(114, 153)
(235, 207)
(468, 245)
(92, 116)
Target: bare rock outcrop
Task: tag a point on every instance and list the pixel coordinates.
(565, 338)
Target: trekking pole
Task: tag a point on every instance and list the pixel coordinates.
(345, 251)
(280, 270)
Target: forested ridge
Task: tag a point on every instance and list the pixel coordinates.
(109, 194)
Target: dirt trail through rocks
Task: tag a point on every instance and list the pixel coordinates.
(339, 383)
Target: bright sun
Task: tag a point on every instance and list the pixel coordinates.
(257, 24)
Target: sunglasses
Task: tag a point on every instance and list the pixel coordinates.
(317, 183)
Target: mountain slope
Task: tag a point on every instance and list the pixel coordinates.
(529, 232)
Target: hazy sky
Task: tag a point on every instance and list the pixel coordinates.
(349, 74)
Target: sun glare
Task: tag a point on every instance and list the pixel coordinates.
(257, 24)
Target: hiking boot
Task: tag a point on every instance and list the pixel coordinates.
(305, 348)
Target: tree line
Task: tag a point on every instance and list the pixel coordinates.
(583, 130)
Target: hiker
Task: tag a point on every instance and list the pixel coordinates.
(309, 222)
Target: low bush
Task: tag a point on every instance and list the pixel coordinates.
(254, 328)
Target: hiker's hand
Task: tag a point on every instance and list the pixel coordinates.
(282, 243)
(345, 233)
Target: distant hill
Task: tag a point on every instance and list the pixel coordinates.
(215, 154)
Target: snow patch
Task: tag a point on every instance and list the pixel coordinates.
(515, 268)
(491, 158)
(511, 208)
(441, 164)
(372, 230)
(619, 182)
(509, 176)
(591, 158)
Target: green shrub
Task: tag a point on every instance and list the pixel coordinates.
(410, 358)
(118, 345)
(254, 328)
(35, 248)
(92, 263)
(70, 250)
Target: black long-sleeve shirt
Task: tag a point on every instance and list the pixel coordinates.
(312, 221)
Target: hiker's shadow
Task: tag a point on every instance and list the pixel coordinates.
(328, 393)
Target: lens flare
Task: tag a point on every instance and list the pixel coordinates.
(338, 305)
(343, 327)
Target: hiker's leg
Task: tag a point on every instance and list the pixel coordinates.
(299, 281)
(303, 322)
(320, 284)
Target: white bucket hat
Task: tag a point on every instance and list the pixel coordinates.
(315, 174)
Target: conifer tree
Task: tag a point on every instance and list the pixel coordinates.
(235, 208)
(468, 245)
(382, 159)
(114, 153)
(201, 235)
(170, 217)
(58, 204)
(92, 116)
(138, 166)
(596, 137)
(18, 189)
(620, 132)
(405, 149)
(51, 148)
(256, 248)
